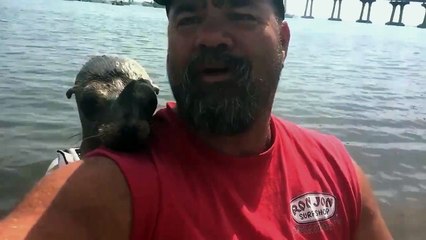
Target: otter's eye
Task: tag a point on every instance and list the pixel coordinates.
(93, 106)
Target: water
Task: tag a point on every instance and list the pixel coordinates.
(364, 83)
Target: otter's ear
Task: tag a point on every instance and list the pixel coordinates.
(70, 92)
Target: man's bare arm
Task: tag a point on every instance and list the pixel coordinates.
(85, 200)
(372, 225)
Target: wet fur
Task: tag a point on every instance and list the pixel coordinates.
(116, 100)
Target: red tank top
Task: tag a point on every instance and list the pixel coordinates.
(303, 187)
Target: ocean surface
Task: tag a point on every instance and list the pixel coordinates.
(365, 84)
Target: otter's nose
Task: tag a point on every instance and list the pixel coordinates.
(138, 101)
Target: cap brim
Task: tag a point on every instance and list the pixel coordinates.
(278, 4)
(162, 2)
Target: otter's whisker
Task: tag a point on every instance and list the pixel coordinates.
(90, 137)
(74, 136)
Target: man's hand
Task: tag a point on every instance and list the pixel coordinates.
(84, 200)
(372, 225)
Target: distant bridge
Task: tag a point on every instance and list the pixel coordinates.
(395, 4)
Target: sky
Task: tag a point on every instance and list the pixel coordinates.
(351, 9)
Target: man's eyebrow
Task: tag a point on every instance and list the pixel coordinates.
(185, 7)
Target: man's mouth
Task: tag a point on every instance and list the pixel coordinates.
(211, 74)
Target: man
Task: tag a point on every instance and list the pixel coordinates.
(219, 165)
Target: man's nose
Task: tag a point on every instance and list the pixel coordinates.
(214, 34)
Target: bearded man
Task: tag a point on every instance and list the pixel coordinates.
(219, 165)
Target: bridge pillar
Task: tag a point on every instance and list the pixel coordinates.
(401, 12)
(306, 10)
(364, 2)
(362, 11)
(394, 5)
(332, 18)
(340, 9)
(423, 25)
(369, 11)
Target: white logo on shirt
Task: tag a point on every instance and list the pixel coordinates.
(313, 207)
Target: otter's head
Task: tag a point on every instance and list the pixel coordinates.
(104, 108)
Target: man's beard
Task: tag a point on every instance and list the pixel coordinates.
(223, 108)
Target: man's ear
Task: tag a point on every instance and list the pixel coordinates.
(285, 36)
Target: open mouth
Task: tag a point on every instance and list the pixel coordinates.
(215, 73)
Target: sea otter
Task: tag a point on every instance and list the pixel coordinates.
(116, 99)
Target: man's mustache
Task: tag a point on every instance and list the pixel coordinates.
(239, 67)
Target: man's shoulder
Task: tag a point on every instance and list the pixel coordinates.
(298, 132)
(138, 169)
(71, 197)
(141, 160)
(93, 176)
(315, 143)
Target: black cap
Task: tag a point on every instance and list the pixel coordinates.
(278, 4)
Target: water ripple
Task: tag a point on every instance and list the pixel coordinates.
(365, 86)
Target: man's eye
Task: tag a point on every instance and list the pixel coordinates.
(189, 21)
(241, 17)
